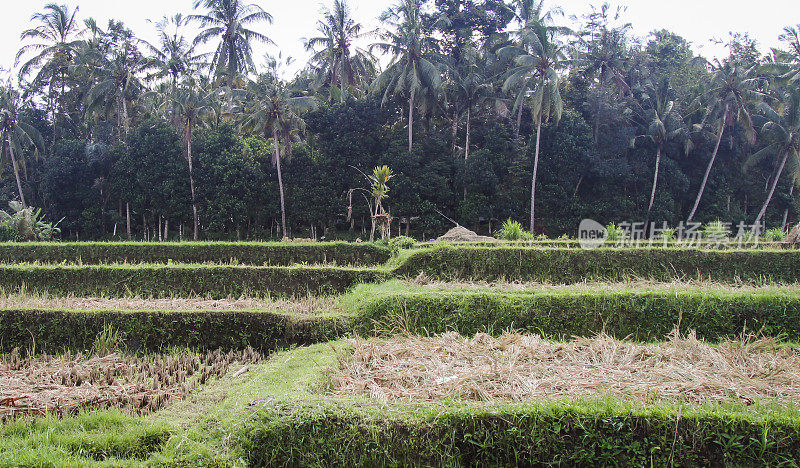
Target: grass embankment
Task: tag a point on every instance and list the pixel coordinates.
(243, 253)
(575, 265)
(643, 312)
(213, 281)
(51, 324)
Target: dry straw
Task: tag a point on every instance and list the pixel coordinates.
(518, 367)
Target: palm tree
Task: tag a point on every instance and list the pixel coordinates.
(229, 20)
(52, 43)
(730, 93)
(118, 79)
(603, 58)
(783, 133)
(338, 63)
(190, 107)
(17, 136)
(536, 68)
(271, 110)
(471, 87)
(173, 57)
(663, 124)
(412, 71)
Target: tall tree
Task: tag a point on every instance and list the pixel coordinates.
(413, 71)
(19, 138)
(230, 21)
(536, 68)
(273, 111)
(118, 79)
(730, 93)
(663, 124)
(336, 61)
(782, 133)
(190, 106)
(52, 41)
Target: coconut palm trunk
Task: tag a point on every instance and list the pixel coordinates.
(15, 168)
(411, 121)
(655, 181)
(195, 218)
(533, 178)
(280, 179)
(519, 121)
(771, 193)
(466, 143)
(710, 165)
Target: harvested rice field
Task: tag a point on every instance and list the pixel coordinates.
(68, 384)
(515, 367)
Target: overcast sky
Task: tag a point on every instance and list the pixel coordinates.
(699, 21)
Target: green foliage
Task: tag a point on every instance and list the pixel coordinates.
(774, 235)
(25, 224)
(107, 341)
(513, 231)
(401, 242)
(716, 230)
(614, 233)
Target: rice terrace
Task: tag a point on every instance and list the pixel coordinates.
(434, 233)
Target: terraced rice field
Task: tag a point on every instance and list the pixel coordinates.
(220, 354)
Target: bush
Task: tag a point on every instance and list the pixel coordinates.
(25, 224)
(774, 235)
(614, 233)
(513, 231)
(246, 253)
(716, 230)
(576, 265)
(183, 281)
(401, 242)
(641, 315)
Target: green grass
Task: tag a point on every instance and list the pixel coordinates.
(641, 312)
(96, 438)
(53, 331)
(245, 253)
(568, 265)
(183, 280)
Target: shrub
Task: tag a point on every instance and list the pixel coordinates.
(402, 242)
(513, 231)
(774, 235)
(25, 224)
(614, 233)
(716, 230)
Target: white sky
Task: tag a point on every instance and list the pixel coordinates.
(699, 21)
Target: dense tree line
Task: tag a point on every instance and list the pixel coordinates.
(487, 110)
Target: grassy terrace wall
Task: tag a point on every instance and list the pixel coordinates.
(183, 280)
(641, 314)
(550, 434)
(246, 253)
(575, 265)
(53, 331)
